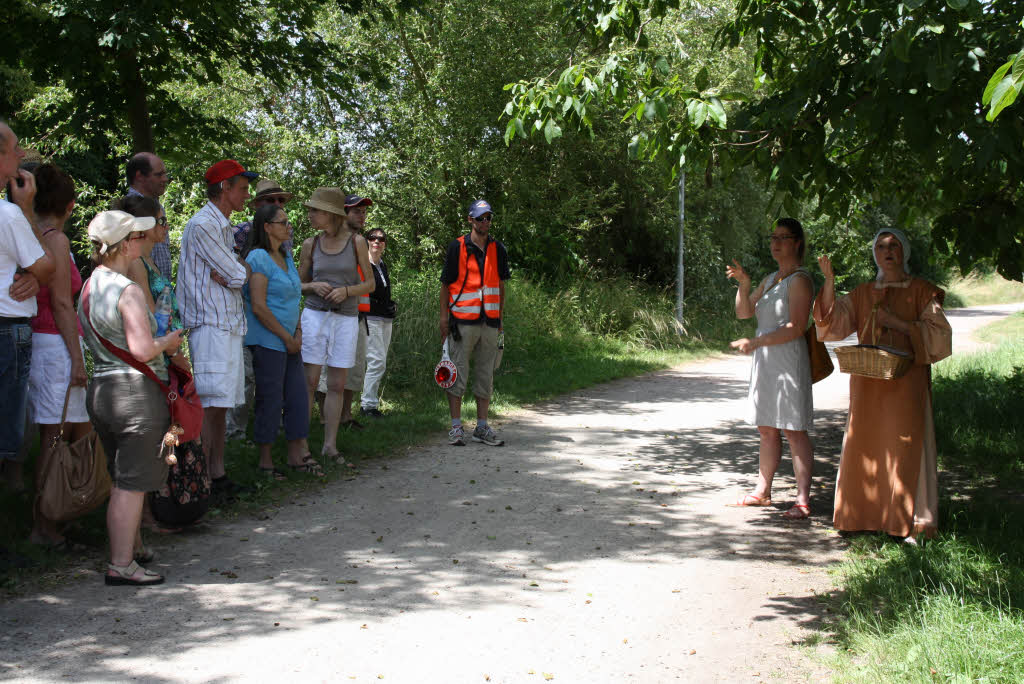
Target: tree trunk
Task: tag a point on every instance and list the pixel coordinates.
(136, 96)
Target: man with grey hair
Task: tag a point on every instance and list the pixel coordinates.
(147, 176)
(25, 261)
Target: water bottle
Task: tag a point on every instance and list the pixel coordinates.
(501, 339)
(164, 309)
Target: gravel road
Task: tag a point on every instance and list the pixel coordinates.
(594, 547)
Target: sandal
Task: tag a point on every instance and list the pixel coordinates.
(145, 555)
(310, 466)
(797, 512)
(752, 500)
(334, 456)
(129, 575)
(275, 474)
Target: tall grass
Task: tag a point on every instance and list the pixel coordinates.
(952, 610)
(983, 288)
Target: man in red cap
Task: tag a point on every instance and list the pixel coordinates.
(210, 280)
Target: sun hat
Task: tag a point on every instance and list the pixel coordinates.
(269, 188)
(110, 227)
(331, 200)
(227, 168)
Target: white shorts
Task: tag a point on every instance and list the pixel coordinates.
(329, 339)
(218, 366)
(48, 381)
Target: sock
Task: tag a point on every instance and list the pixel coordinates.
(456, 422)
(481, 422)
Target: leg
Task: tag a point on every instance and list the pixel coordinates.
(768, 460)
(454, 406)
(214, 418)
(296, 410)
(268, 369)
(124, 513)
(803, 464)
(312, 382)
(346, 405)
(482, 406)
(332, 408)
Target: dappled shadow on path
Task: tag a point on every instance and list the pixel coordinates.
(631, 473)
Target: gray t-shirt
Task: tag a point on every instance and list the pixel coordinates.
(105, 289)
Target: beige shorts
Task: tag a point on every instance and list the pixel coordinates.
(218, 366)
(354, 379)
(480, 342)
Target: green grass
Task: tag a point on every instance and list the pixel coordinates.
(558, 338)
(1010, 328)
(952, 610)
(974, 289)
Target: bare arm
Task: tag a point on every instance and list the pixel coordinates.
(306, 271)
(258, 296)
(800, 291)
(24, 196)
(501, 302)
(444, 312)
(827, 297)
(64, 308)
(141, 342)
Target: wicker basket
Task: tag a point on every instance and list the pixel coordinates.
(872, 361)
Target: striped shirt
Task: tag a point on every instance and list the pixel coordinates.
(206, 245)
(161, 254)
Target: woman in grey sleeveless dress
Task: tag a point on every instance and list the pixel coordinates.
(780, 375)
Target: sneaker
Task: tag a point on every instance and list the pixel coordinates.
(455, 436)
(371, 412)
(484, 434)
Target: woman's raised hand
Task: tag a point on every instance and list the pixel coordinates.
(825, 264)
(736, 271)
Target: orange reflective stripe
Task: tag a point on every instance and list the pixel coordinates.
(364, 299)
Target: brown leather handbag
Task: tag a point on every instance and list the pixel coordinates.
(76, 479)
(821, 362)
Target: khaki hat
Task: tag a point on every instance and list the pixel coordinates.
(110, 227)
(269, 188)
(327, 199)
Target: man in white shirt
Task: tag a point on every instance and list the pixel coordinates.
(24, 263)
(210, 280)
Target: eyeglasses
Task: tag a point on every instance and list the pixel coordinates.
(483, 219)
(780, 238)
(286, 222)
(376, 238)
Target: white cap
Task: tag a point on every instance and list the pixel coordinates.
(110, 227)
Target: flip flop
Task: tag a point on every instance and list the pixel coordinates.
(751, 500)
(797, 512)
(309, 466)
(273, 473)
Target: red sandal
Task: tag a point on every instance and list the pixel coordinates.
(752, 500)
(797, 512)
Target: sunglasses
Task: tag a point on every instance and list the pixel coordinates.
(483, 219)
(275, 200)
(376, 238)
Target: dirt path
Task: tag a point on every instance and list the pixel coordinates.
(594, 548)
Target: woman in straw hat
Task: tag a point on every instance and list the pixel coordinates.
(332, 286)
(128, 410)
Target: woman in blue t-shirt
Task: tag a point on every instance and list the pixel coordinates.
(274, 337)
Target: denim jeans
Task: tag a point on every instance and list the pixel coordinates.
(15, 361)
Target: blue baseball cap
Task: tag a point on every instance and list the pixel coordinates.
(479, 208)
(357, 201)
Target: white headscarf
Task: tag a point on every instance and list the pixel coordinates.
(899, 235)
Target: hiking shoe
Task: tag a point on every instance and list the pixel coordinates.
(371, 412)
(485, 435)
(456, 436)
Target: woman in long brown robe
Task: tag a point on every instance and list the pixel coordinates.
(888, 473)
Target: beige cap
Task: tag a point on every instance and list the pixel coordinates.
(328, 199)
(110, 227)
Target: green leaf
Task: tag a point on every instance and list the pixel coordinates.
(994, 81)
(935, 28)
(901, 44)
(661, 108)
(634, 147)
(958, 4)
(661, 65)
(552, 131)
(716, 110)
(734, 96)
(520, 130)
(703, 79)
(1004, 95)
(913, 4)
(697, 112)
(1018, 64)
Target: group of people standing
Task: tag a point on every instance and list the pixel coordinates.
(887, 471)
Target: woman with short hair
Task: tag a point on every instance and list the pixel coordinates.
(331, 283)
(128, 410)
